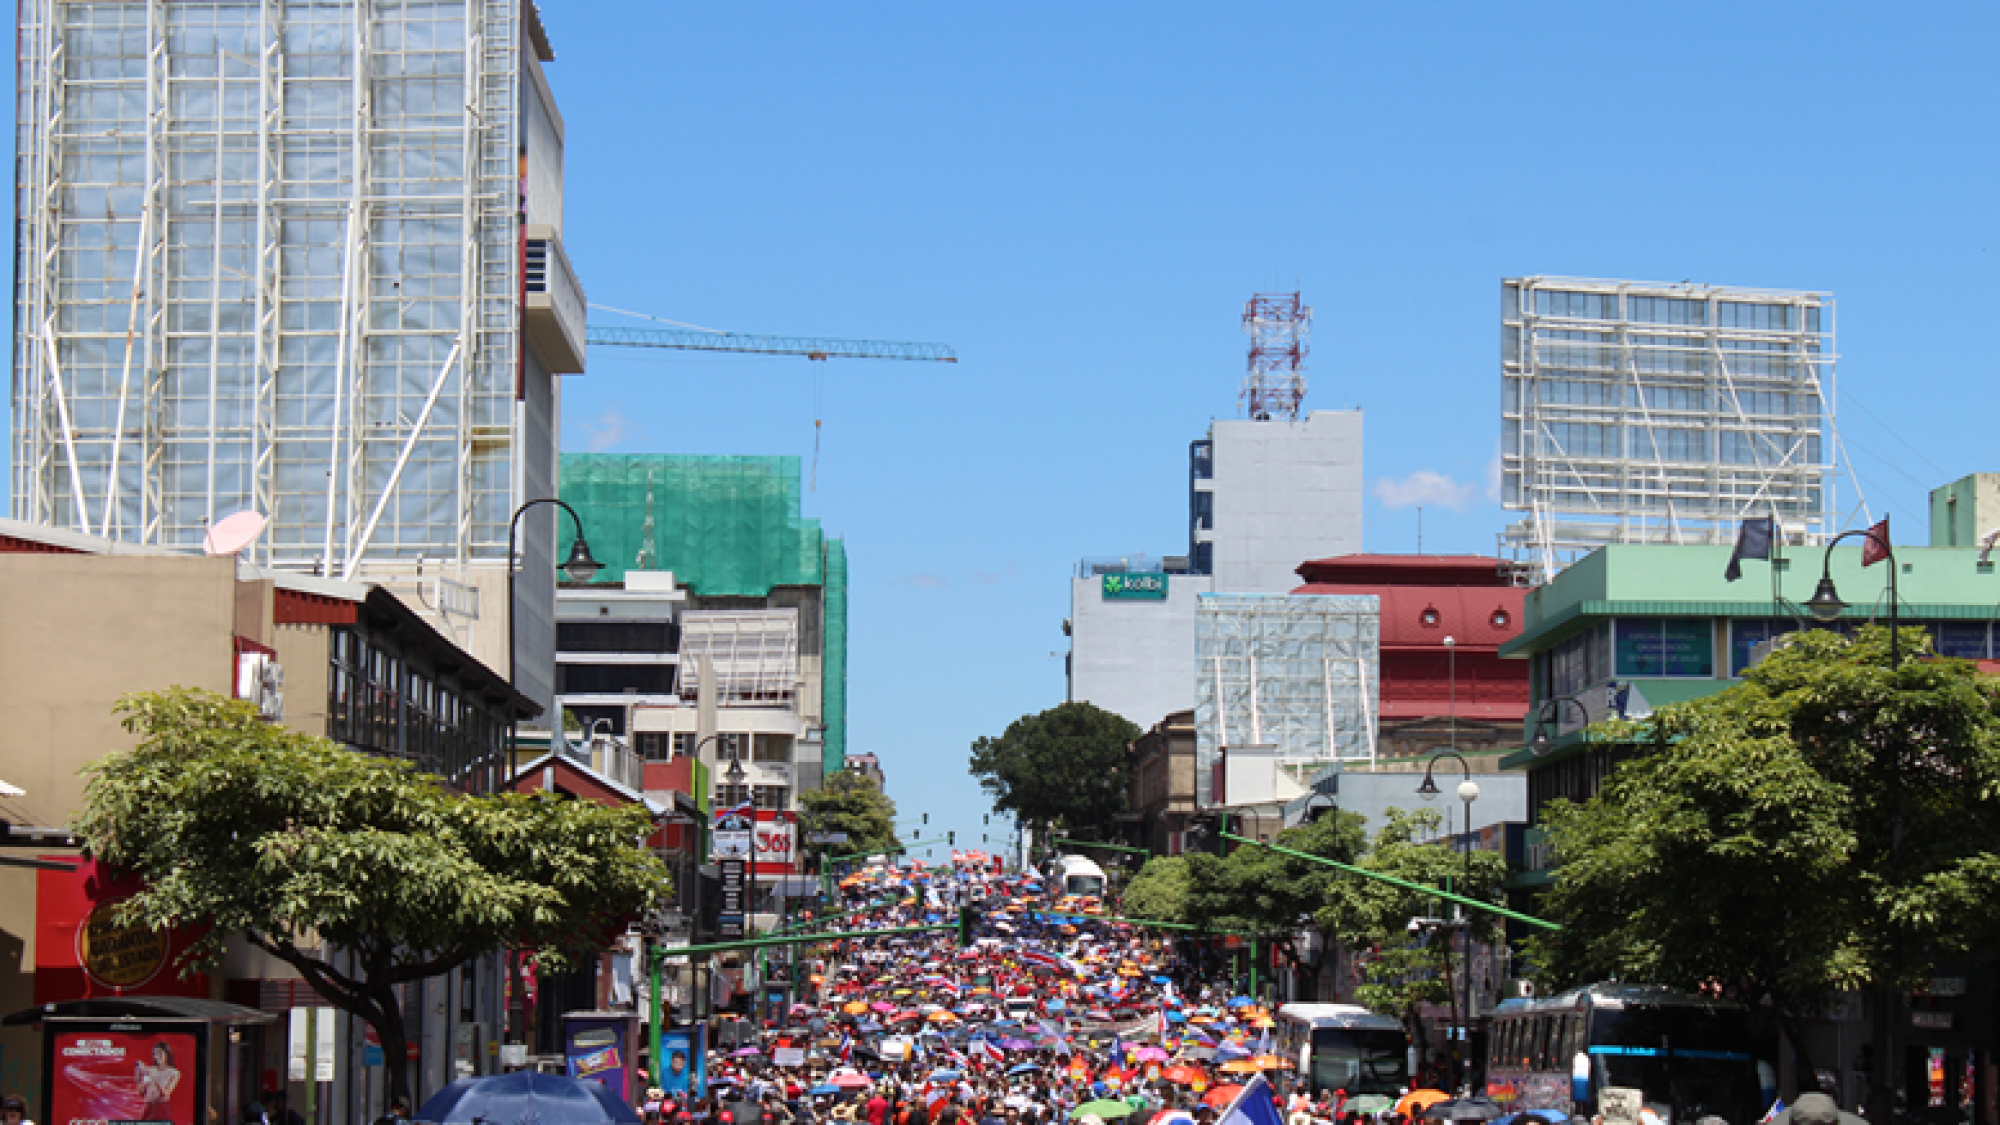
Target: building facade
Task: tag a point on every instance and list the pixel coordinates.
(1444, 618)
(1265, 494)
(1647, 412)
(94, 619)
(302, 259)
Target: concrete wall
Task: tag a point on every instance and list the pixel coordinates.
(1133, 657)
(1503, 797)
(81, 631)
(1965, 511)
(1285, 492)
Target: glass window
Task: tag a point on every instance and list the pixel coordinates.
(730, 796)
(1963, 640)
(655, 745)
(771, 748)
(773, 797)
(1664, 646)
(1747, 634)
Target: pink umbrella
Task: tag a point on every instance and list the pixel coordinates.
(879, 1006)
(1150, 1054)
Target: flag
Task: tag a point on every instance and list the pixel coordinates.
(1876, 547)
(1753, 541)
(1252, 1106)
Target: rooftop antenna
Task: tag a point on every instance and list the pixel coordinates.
(1279, 326)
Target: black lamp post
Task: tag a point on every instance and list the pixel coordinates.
(1468, 791)
(580, 567)
(1539, 743)
(1826, 605)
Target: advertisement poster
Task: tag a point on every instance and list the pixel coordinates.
(82, 951)
(123, 1077)
(599, 1049)
(682, 1075)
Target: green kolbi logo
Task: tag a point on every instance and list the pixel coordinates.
(1146, 586)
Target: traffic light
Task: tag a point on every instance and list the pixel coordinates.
(968, 917)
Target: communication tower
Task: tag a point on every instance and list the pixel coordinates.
(1279, 326)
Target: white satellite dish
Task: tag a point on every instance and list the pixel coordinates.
(231, 534)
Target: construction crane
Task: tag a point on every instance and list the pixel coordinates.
(811, 347)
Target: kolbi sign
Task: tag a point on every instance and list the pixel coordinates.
(1140, 587)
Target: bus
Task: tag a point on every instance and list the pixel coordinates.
(1342, 1047)
(1688, 1057)
(1076, 876)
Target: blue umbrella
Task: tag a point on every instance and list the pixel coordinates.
(1022, 1068)
(1241, 1002)
(824, 1089)
(527, 1098)
(944, 1074)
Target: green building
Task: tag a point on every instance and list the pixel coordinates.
(730, 531)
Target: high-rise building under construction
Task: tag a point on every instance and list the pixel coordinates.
(303, 258)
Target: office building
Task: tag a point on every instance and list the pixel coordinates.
(302, 259)
(1265, 495)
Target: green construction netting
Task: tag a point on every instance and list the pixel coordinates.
(726, 526)
(833, 698)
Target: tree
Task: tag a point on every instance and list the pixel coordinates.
(1283, 897)
(1063, 768)
(1159, 892)
(849, 802)
(1751, 847)
(359, 872)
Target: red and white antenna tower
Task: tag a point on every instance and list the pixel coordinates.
(1279, 325)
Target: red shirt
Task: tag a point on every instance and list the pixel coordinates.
(878, 1110)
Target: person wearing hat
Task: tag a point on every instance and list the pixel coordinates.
(14, 1111)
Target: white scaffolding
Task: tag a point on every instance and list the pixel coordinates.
(1298, 674)
(1640, 412)
(270, 260)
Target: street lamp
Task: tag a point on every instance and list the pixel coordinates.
(1451, 662)
(1826, 605)
(1468, 791)
(580, 567)
(1540, 742)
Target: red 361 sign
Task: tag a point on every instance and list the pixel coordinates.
(774, 843)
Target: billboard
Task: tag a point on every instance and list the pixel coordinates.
(682, 1076)
(124, 1077)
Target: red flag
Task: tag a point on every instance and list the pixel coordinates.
(1876, 547)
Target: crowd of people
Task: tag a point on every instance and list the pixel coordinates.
(1054, 1014)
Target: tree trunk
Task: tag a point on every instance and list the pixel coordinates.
(395, 1044)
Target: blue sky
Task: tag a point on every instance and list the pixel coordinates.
(1080, 197)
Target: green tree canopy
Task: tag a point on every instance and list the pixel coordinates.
(1159, 892)
(307, 848)
(849, 802)
(1063, 768)
(1750, 844)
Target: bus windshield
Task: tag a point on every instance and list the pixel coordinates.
(1091, 885)
(1360, 1061)
(1689, 1062)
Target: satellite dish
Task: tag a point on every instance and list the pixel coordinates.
(231, 534)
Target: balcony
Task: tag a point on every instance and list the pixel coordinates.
(552, 303)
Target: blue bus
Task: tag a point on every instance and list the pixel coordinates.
(1688, 1057)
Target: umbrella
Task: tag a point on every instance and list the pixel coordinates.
(1183, 1075)
(1242, 1002)
(1150, 1054)
(1416, 1101)
(1556, 1117)
(1104, 1108)
(524, 1097)
(849, 1079)
(1274, 1062)
(1221, 1096)
(1462, 1109)
(745, 1053)
(1022, 1068)
(1240, 1066)
(944, 1074)
(824, 1089)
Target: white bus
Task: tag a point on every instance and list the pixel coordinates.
(1343, 1047)
(1075, 875)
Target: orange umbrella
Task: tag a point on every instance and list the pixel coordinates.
(1239, 1066)
(1221, 1096)
(855, 1008)
(941, 1017)
(1273, 1062)
(1184, 1075)
(1417, 1101)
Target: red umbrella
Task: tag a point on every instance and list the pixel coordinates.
(1221, 1096)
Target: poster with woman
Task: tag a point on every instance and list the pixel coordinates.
(123, 1078)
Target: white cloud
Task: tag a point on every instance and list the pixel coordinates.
(610, 428)
(995, 577)
(1423, 487)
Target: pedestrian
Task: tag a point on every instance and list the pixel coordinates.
(398, 1112)
(14, 1111)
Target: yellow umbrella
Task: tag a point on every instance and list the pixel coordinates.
(942, 1017)
(854, 1007)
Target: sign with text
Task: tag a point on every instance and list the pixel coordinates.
(774, 844)
(124, 1076)
(1135, 587)
(735, 898)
